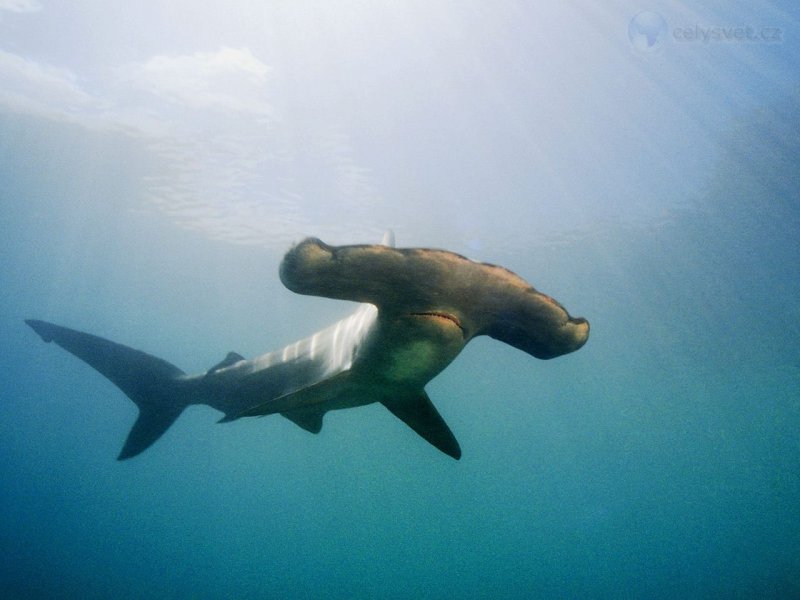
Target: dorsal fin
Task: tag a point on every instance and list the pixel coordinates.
(388, 238)
(231, 359)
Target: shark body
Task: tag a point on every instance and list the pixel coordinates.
(420, 307)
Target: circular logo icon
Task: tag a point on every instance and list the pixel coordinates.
(647, 31)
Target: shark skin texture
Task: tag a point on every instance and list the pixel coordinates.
(419, 308)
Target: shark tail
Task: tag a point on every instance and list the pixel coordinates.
(153, 384)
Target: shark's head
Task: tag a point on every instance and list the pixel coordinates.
(444, 290)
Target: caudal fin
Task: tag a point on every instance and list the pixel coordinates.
(147, 380)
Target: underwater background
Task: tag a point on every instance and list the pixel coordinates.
(638, 161)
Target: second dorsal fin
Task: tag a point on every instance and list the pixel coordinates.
(231, 359)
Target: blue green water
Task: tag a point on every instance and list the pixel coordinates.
(659, 199)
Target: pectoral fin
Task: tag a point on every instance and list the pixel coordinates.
(419, 413)
(312, 395)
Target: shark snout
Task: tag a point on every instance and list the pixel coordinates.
(578, 333)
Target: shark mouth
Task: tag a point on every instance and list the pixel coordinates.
(440, 315)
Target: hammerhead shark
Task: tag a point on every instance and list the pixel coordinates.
(419, 309)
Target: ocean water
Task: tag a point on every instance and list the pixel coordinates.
(151, 179)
